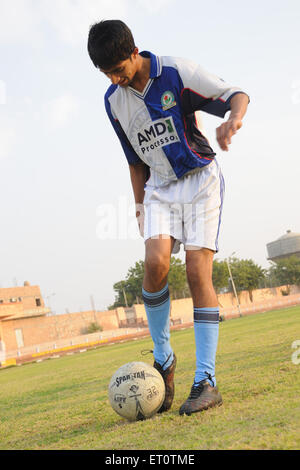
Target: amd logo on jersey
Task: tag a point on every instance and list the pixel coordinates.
(160, 133)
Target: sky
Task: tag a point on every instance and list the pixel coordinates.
(62, 167)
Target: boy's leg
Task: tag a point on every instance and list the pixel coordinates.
(156, 295)
(201, 224)
(199, 265)
(204, 393)
(157, 305)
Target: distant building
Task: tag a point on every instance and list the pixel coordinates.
(285, 246)
(22, 301)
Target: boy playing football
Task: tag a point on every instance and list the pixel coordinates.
(153, 104)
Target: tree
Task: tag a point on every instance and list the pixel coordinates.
(129, 290)
(134, 281)
(220, 275)
(246, 274)
(285, 271)
(177, 279)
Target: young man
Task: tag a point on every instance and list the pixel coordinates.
(153, 105)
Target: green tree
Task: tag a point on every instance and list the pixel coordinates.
(177, 279)
(285, 272)
(129, 290)
(123, 298)
(220, 275)
(134, 281)
(247, 275)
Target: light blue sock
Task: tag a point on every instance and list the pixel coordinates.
(206, 328)
(157, 306)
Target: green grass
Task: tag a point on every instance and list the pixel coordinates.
(63, 403)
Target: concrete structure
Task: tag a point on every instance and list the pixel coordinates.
(22, 332)
(22, 302)
(27, 329)
(30, 329)
(285, 246)
(17, 303)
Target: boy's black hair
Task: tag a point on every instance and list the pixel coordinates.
(109, 43)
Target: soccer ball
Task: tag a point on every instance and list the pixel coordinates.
(136, 391)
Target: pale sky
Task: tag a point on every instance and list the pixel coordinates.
(61, 162)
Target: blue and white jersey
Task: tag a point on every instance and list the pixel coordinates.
(160, 126)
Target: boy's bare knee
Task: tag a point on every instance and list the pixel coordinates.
(157, 265)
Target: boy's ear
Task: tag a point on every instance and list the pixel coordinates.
(135, 53)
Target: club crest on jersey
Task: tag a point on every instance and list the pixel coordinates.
(168, 100)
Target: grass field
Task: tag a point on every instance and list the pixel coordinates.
(63, 403)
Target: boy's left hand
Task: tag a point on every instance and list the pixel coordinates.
(226, 131)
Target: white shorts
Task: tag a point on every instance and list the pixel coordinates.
(188, 209)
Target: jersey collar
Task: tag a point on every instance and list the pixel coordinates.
(155, 67)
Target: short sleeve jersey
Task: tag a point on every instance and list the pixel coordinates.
(160, 126)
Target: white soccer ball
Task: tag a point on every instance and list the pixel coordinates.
(136, 391)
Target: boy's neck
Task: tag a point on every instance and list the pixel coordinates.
(142, 75)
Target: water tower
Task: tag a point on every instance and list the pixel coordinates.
(285, 246)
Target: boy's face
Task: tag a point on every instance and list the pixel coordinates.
(123, 73)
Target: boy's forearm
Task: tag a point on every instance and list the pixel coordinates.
(238, 105)
(138, 175)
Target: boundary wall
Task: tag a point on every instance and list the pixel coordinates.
(50, 335)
